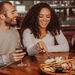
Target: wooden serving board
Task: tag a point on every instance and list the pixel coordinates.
(51, 73)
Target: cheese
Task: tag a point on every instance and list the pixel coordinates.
(49, 60)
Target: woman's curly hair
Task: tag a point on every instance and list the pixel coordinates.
(31, 20)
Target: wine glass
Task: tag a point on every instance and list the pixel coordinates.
(21, 47)
(73, 42)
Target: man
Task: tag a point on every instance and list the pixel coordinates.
(9, 37)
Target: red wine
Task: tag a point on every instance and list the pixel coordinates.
(24, 49)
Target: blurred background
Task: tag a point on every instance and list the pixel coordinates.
(65, 10)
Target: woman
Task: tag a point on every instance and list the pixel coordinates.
(40, 29)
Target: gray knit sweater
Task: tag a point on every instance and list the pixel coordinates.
(8, 43)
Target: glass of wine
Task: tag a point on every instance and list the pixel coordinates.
(21, 47)
(73, 42)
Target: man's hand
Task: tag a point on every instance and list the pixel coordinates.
(40, 46)
(15, 56)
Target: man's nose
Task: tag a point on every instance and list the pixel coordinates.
(16, 14)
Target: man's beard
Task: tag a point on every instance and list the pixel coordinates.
(10, 22)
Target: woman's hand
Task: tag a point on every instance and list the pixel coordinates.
(15, 56)
(40, 46)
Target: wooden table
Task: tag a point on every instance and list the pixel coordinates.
(33, 63)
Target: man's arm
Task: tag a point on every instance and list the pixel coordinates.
(4, 59)
(12, 57)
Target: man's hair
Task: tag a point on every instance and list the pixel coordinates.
(31, 20)
(2, 8)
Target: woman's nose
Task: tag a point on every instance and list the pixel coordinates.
(44, 18)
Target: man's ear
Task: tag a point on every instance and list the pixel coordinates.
(2, 16)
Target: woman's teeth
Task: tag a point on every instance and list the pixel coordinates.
(43, 22)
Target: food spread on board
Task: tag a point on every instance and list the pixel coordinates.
(59, 65)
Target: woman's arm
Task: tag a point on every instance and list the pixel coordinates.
(62, 44)
(29, 43)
